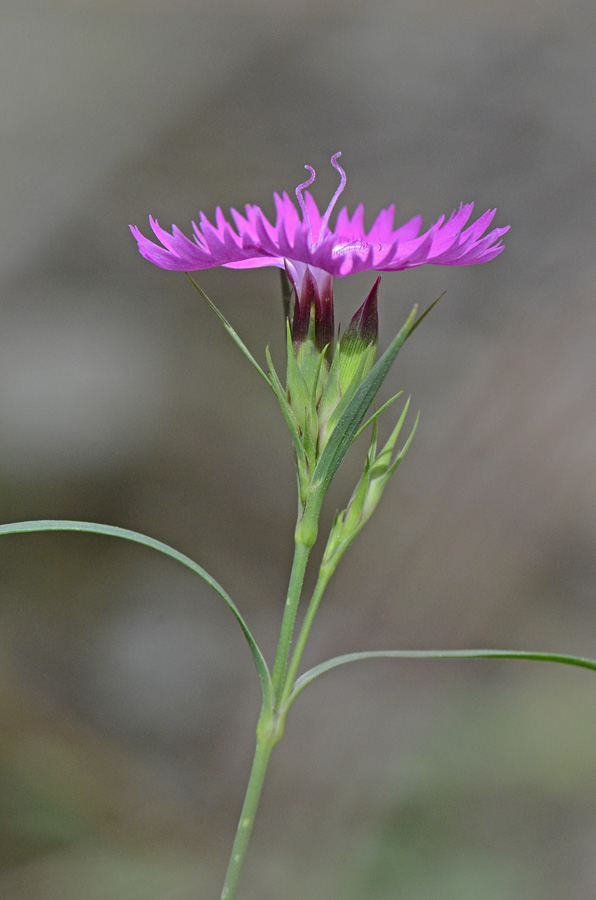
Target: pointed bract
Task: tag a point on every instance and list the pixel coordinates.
(358, 346)
(365, 321)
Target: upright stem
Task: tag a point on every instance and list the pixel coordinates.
(265, 744)
(301, 554)
(271, 724)
(325, 574)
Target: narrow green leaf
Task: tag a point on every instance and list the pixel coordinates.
(563, 659)
(423, 316)
(231, 331)
(286, 409)
(406, 446)
(114, 531)
(347, 427)
(377, 413)
(383, 461)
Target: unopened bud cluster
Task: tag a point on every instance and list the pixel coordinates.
(378, 469)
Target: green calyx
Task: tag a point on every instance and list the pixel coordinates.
(317, 393)
(322, 380)
(324, 403)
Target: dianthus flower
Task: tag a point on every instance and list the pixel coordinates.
(305, 238)
(313, 253)
(324, 371)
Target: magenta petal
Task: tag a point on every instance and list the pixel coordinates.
(250, 240)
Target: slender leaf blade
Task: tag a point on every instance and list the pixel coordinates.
(230, 329)
(377, 413)
(347, 427)
(329, 664)
(136, 537)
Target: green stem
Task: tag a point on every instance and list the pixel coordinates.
(325, 574)
(265, 744)
(271, 725)
(301, 554)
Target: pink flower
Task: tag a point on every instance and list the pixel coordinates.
(303, 238)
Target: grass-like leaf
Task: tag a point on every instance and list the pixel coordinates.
(230, 329)
(349, 422)
(124, 533)
(561, 658)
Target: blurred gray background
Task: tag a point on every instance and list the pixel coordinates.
(128, 697)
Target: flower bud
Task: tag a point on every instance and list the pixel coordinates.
(359, 343)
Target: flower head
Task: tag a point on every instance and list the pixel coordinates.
(303, 237)
(324, 374)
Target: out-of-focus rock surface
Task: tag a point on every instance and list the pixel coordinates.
(127, 697)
